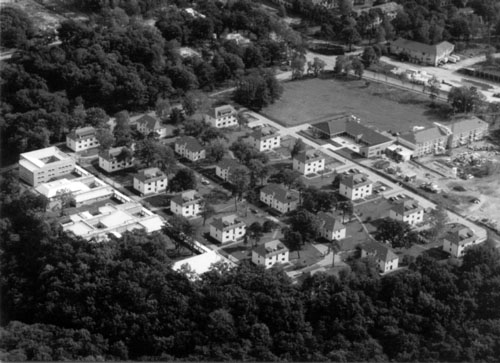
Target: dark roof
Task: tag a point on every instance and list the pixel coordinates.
(82, 133)
(264, 133)
(187, 197)
(280, 193)
(230, 163)
(423, 136)
(190, 143)
(270, 248)
(330, 222)
(406, 207)
(379, 250)
(149, 175)
(152, 123)
(228, 222)
(347, 124)
(459, 234)
(422, 47)
(111, 154)
(467, 124)
(355, 180)
(309, 156)
(220, 111)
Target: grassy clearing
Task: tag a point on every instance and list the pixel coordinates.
(383, 107)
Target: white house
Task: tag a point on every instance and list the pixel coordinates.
(186, 204)
(148, 124)
(457, 238)
(355, 186)
(279, 198)
(222, 116)
(422, 53)
(270, 253)
(407, 211)
(308, 162)
(42, 165)
(189, 148)
(265, 138)
(82, 138)
(385, 257)
(331, 227)
(110, 161)
(227, 229)
(150, 181)
(224, 168)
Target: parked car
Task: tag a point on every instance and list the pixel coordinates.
(204, 181)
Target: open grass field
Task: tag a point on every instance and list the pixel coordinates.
(383, 107)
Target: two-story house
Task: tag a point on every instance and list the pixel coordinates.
(227, 229)
(187, 203)
(331, 227)
(265, 138)
(407, 210)
(222, 116)
(82, 138)
(432, 140)
(279, 198)
(111, 161)
(226, 166)
(422, 53)
(150, 181)
(270, 253)
(190, 148)
(148, 124)
(308, 162)
(457, 238)
(385, 257)
(355, 186)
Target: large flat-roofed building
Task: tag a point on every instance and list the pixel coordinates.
(265, 138)
(386, 259)
(279, 198)
(82, 139)
(40, 166)
(110, 161)
(190, 148)
(186, 204)
(407, 210)
(422, 53)
(467, 130)
(355, 186)
(457, 238)
(227, 229)
(97, 223)
(150, 181)
(308, 162)
(371, 142)
(270, 253)
(222, 116)
(432, 140)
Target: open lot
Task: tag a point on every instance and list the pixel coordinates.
(318, 99)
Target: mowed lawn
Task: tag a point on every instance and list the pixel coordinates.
(383, 107)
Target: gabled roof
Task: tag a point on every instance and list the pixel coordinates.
(467, 124)
(111, 153)
(230, 164)
(355, 180)
(271, 248)
(423, 136)
(379, 251)
(152, 123)
(459, 234)
(422, 47)
(264, 133)
(187, 197)
(280, 193)
(190, 143)
(309, 156)
(149, 175)
(228, 222)
(406, 207)
(330, 222)
(82, 133)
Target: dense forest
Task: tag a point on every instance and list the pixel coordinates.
(66, 299)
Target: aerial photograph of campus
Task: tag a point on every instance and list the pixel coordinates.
(250, 180)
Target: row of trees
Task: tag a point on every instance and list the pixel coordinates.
(63, 298)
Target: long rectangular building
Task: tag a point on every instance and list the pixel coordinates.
(40, 166)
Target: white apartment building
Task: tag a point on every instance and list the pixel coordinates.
(227, 229)
(355, 186)
(222, 116)
(432, 140)
(270, 253)
(190, 148)
(308, 162)
(407, 211)
(82, 138)
(148, 124)
(386, 258)
(265, 138)
(186, 204)
(109, 161)
(279, 198)
(150, 181)
(331, 227)
(43, 165)
(457, 238)
(224, 168)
